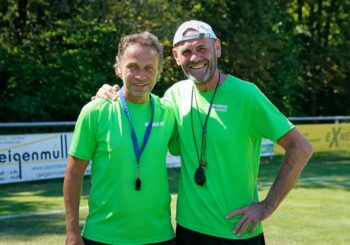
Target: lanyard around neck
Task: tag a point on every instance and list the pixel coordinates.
(202, 156)
(135, 144)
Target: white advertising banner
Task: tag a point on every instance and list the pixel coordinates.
(33, 156)
(266, 148)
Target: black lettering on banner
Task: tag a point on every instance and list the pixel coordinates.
(54, 155)
(65, 146)
(2, 158)
(26, 156)
(17, 157)
(9, 155)
(45, 155)
(61, 139)
(334, 141)
(36, 154)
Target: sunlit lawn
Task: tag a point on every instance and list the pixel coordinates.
(317, 211)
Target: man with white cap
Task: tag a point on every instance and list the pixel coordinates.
(221, 121)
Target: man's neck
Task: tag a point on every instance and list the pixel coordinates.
(136, 99)
(211, 84)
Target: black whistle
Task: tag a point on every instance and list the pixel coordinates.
(138, 184)
(199, 176)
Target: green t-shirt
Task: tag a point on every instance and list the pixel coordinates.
(118, 214)
(241, 116)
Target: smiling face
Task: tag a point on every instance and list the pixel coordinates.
(198, 57)
(139, 70)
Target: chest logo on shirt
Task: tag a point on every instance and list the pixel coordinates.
(156, 124)
(219, 108)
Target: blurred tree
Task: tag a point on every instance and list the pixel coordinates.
(322, 33)
(55, 59)
(55, 54)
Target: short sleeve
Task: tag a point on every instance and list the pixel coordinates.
(83, 143)
(266, 121)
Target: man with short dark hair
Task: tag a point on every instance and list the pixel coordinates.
(127, 141)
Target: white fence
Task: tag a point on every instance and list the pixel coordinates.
(335, 119)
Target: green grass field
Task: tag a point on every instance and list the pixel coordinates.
(317, 211)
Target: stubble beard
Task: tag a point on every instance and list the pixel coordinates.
(209, 73)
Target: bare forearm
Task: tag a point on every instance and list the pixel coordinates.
(298, 152)
(294, 161)
(72, 189)
(288, 175)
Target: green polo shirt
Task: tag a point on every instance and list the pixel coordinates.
(118, 214)
(241, 116)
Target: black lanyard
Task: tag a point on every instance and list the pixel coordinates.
(200, 174)
(135, 144)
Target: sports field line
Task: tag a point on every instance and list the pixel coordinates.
(307, 179)
(59, 211)
(44, 213)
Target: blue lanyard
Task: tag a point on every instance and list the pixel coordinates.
(135, 144)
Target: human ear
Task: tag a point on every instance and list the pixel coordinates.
(218, 48)
(176, 57)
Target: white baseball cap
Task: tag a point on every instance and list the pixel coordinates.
(204, 31)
